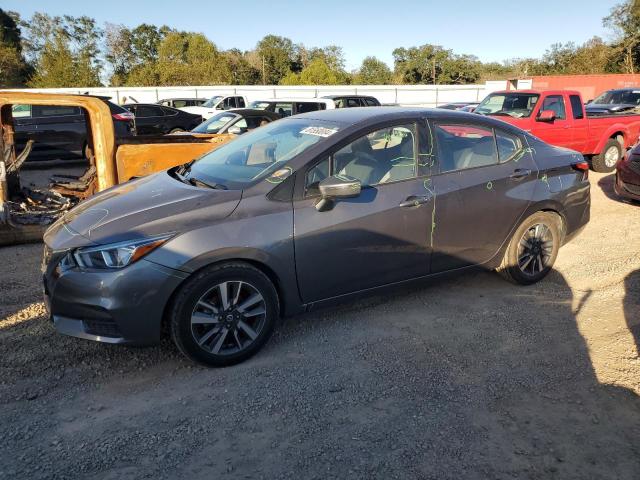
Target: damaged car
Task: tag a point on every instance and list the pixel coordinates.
(26, 210)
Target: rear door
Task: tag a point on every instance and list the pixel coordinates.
(380, 237)
(485, 184)
(150, 119)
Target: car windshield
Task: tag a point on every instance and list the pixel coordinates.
(631, 97)
(215, 123)
(212, 101)
(259, 105)
(261, 153)
(519, 105)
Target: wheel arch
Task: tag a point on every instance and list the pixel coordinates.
(287, 302)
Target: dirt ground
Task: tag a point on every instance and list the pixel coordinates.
(462, 378)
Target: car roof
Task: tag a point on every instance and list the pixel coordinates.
(294, 99)
(372, 115)
(252, 112)
(539, 92)
(335, 97)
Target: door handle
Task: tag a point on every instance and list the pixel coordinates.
(519, 173)
(415, 201)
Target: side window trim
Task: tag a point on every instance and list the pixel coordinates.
(515, 153)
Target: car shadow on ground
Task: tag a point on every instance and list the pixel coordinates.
(631, 305)
(606, 184)
(461, 377)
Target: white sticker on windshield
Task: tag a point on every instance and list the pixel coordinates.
(319, 131)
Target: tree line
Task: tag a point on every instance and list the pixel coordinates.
(68, 51)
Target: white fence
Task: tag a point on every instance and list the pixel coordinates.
(418, 95)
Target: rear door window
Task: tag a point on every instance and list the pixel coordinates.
(462, 146)
(54, 111)
(169, 111)
(149, 111)
(303, 107)
(283, 108)
(576, 107)
(370, 102)
(353, 102)
(240, 102)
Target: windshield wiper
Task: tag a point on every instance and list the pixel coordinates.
(196, 182)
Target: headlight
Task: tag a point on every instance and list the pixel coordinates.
(117, 255)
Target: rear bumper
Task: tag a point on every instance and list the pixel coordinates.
(112, 306)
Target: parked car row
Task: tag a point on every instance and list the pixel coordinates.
(61, 132)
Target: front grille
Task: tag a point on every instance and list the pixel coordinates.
(102, 328)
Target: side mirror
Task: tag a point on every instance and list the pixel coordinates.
(236, 130)
(546, 116)
(589, 101)
(336, 187)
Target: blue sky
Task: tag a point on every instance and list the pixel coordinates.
(490, 29)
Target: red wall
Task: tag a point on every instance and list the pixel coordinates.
(590, 86)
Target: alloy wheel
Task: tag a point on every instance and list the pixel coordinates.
(535, 249)
(611, 156)
(228, 318)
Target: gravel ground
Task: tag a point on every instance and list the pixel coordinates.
(466, 377)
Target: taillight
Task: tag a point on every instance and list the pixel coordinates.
(582, 166)
(123, 117)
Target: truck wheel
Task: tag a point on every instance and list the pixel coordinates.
(533, 249)
(224, 314)
(607, 159)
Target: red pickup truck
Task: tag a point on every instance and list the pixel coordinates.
(558, 117)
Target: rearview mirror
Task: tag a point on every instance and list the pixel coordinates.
(546, 116)
(336, 187)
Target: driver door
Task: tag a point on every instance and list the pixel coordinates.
(380, 237)
(557, 131)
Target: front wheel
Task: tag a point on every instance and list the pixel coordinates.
(607, 159)
(533, 249)
(224, 314)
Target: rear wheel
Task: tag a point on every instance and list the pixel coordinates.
(533, 249)
(224, 314)
(176, 130)
(607, 159)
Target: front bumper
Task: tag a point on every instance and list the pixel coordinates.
(120, 306)
(625, 189)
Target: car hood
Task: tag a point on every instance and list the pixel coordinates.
(153, 205)
(609, 108)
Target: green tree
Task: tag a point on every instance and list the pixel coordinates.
(278, 57)
(243, 71)
(373, 72)
(317, 72)
(433, 64)
(13, 67)
(64, 50)
(624, 20)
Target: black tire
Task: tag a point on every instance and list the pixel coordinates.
(514, 256)
(190, 298)
(601, 163)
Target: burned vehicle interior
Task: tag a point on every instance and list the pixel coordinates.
(27, 208)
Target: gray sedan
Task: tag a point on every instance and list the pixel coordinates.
(305, 212)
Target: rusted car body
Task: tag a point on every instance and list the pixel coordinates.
(25, 212)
